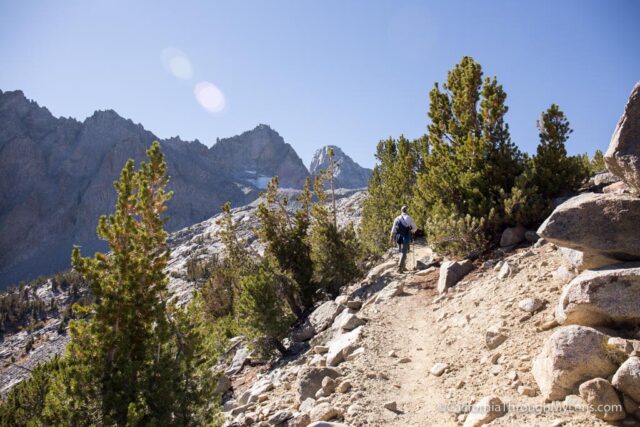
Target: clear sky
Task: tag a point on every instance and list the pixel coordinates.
(319, 72)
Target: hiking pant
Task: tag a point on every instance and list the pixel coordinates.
(404, 249)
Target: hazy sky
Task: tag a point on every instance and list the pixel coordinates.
(319, 72)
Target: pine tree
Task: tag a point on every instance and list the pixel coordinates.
(221, 290)
(285, 235)
(121, 370)
(472, 159)
(597, 162)
(333, 251)
(392, 185)
(555, 172)
(261, 304)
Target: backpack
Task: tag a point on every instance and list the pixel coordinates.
(402, 231)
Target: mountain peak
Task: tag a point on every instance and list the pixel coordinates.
(348, 173)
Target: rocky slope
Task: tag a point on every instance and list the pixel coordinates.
(348, 173)
(192, 244)
(56, 178)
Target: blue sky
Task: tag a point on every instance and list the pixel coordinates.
(320, 72)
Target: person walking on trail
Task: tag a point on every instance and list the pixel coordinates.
(402, 233)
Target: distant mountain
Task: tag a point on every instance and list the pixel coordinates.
(57, 174)
(349, 174)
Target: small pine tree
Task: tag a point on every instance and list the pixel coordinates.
(333, 251)
(285, 235)
(555, 172)
(597, 162)
(25, 402)
(261, 304)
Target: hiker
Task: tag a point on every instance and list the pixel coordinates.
(402, 232)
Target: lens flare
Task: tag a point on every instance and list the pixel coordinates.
(209, 97)
(176, 63)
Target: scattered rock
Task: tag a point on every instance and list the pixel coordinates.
(570, 356)
(328, 386)
(300, 420)
(608, 295)
(354, 305)
(223, 384)
(627, 378)
(623, 155)
(280, 417)
(600, 395)
(392, 406)
(309, 381)
(326, 424)
(238, 361)
(347, 321)
(393, 289)
(341, 346)
(562, 274)
(505, 271)
(451, 272)
(612, 221)
(344, 387)
(512, 236)
(530, 305)
(527, 391)
(438, 369)
(404, 360)
(324, 412)
(494, 337)
(485, 411)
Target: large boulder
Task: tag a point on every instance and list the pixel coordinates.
(309, 381)
(603, 400)
(603, 226)
(623, 156)
(570, 356)
(319, 320)
(451, 272)
(608, 295)
(627, 378)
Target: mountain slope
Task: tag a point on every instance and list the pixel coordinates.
(57, 174)
(348, 173)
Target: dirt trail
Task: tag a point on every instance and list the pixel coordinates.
(452, 331)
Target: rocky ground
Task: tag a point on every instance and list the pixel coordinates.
(422, 359)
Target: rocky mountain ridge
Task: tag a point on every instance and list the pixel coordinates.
(56, 178)
(347, 174)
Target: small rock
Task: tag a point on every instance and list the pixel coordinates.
(438, 369)
(344, 387)
(280, 417)
(531, 236)
(494, 358)
(505, 271)
(493, 338)
(354, 305)
(485, 411)
(530, 305)
(393, 353)
(320, 349)
(324, 412)
(527, 391)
